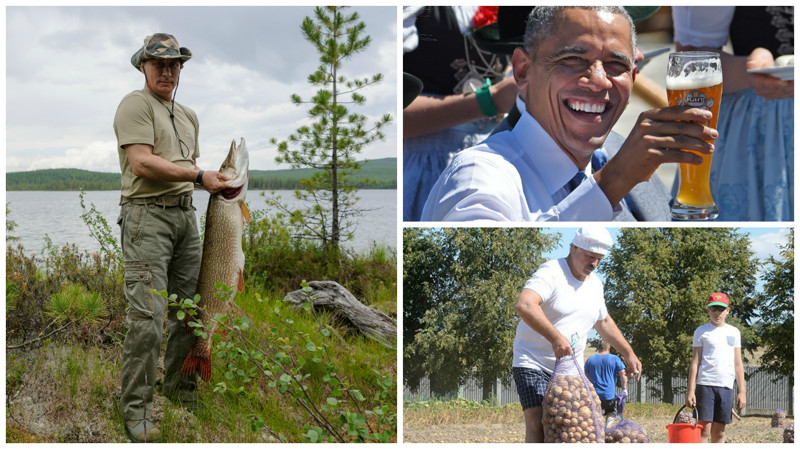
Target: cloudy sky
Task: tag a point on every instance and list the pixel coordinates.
(67, 68)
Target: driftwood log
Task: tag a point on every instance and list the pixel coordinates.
(331, 296)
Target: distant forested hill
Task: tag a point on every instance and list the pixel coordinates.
(384, 171)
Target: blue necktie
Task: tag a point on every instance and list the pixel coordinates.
(575, 181)
(599, 159)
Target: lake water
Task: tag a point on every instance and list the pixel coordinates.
(58, 215)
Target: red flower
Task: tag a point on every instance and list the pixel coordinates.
(485, 16)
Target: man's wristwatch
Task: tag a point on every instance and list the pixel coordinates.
(199, 179)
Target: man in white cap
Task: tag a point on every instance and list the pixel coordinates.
(558, 307)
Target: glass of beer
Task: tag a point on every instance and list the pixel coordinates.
(694, 78)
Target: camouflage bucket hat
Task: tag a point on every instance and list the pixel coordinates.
(160, 46)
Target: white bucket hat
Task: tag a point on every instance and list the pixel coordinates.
(594, 239)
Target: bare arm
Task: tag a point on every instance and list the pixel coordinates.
(609, 331)
(741, 398)
(427, 115)
(623, 378)
(145, 164)
(691, 400)
(530, 310)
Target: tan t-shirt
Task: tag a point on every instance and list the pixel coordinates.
(144, 118)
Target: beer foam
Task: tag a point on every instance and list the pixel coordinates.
(695, 80)
(703, 73)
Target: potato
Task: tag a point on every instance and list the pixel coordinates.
(570, 411)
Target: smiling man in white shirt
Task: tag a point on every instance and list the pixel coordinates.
(575, 77)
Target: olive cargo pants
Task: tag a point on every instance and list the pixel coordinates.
(162, 251)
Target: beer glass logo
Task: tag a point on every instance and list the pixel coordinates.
(696, 99)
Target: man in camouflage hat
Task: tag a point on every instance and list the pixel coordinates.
(158, 148)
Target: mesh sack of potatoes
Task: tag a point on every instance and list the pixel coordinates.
(571, 410)
(621, 430)
(685, 416)
(626, 431)
(788, 433)
(779, 419)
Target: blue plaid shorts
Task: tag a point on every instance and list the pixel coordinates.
(531, 384)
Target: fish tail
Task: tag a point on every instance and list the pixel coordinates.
(195, 363)
(205, 369)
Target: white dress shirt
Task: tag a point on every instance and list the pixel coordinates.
(516, 175)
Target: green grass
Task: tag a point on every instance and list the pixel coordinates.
(459, 411)
(84, 383)
(65, 325)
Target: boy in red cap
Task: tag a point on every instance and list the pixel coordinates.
(716, 361)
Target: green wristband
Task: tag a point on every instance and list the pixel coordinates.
(485, 100)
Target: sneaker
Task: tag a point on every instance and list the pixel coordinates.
(142, 431)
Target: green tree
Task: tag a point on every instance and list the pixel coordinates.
(776, 308)
(426, 278)
(10, 226)
(336, 136)
(460, 289)
(657, 281)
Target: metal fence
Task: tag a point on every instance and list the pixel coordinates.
(765, 392)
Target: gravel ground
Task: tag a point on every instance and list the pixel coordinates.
(748, 430)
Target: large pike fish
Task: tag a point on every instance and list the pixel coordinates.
(223, 258)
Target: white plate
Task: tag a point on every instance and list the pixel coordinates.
(785, 73)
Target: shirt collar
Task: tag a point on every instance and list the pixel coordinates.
(540, 150)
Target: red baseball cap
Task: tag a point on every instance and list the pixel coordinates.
(718, 299)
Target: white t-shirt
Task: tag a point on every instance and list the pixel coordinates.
(716, 364)
(572, 306)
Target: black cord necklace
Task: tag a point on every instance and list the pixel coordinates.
(181, 143)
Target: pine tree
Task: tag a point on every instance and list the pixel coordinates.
(337, 135)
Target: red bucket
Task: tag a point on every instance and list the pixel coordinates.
(684, 433)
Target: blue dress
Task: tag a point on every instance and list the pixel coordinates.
(425, 157)
(752, 171)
